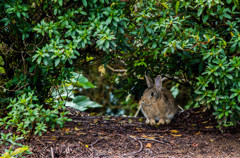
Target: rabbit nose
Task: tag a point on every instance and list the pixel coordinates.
(156, 120)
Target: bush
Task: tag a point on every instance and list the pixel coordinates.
(194, 43)
(26, 115)
(13, 151)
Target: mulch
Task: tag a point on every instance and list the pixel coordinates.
(192, 133)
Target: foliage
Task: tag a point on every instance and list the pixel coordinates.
(69, 92)
(39, 43)
(194, 43)
(27, 115)
(10, 153)
(7, 139)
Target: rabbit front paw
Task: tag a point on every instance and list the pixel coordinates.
(168, 121)
(147, 121)
(161, 121)
(150, 121)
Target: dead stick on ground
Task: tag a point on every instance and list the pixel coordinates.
(52, 154)
(141, 146)
(100, 139)
(162, 142)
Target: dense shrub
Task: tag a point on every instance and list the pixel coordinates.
(194, 43)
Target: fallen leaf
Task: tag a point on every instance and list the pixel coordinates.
(80, 133)
(205, 122)
(211, 140)
(144, 136)
(197, 112)
(95, 120)
(130, 120)
(195, 144)
(77, 129)
(148, 145)
(209, 126)
(53, 138)
(93, 114)
(198, 133)
(66, 129)
(176, 135)
(174, 131)
(107, 118)
(139, 129)
(19, 151)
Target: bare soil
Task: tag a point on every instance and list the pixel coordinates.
(191, 134)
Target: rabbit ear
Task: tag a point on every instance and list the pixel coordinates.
(149, 81)
(158, 83)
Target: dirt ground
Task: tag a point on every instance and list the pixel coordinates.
(191, 134)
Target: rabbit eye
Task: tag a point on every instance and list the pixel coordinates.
(152, 94)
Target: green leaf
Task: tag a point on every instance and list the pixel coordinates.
(200, 10)
(70, 61)
(177, 7)
(109, 19)
(226, 113)
(84, 3)
(82, 103)
(233, 95)
(205, 18)
(45, 61)
(80, 81)
(107, 44)
(57, 61)
(237, 107)
(154, 45)
(18, 14)
(6, 21)
(2, 70)
(220, 116)
(60, 2)
(165, 5)
(39, 60)
(227, 16)
(229, 76)
(116, 19)
(233, 47)
(146, 40)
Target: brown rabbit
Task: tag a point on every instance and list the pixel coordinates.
(157, 103)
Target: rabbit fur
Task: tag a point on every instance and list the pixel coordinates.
(157, 103)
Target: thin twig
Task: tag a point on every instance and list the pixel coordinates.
(14, 90)
(116, 70)
(100, 139)
(159, 141)
(52, 154)
(140, 149)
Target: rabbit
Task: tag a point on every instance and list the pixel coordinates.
(157, 103)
